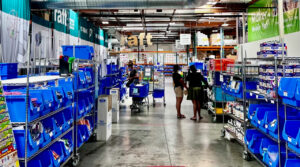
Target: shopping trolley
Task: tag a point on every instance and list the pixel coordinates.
(139, 93)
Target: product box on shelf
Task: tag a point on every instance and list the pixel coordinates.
(104, 120)
(115, 94)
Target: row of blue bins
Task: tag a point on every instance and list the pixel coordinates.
(235, 88)
(42, 100)
(264, 117)
(85, 128)
(56, 154)
(267, 150)
(42, 133)
(85, 102)
(83, 78)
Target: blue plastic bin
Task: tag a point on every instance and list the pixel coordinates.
(139, 91)
(271, 158)
(158, 93)
(253, 140)
(81, 108)
(68, 115)
(41, 160)
(292, 162)
(32, 145)
(291, 134)
(88, 77)
(17, 107)
(265, 143)
(260, 117)
(79, 80)
(67, 85)
(81, 51)
(83, 135)
(59, 96)
(60, 123)
(8, 70)
(68, 147)
(57, 148)
(49, 130)
(288, 87)
(49, 100)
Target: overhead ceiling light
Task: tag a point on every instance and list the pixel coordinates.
(105, 22)
(225, 25)
(211, 3)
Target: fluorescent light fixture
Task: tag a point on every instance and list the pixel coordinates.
(211, 3)
(134, 25)
(105, 22)
(225, 25)
(133, 28)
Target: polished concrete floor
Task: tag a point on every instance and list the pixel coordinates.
(157, 138)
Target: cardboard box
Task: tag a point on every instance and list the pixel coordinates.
(115, 93)
(104, 119)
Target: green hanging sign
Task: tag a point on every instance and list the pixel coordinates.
(263, 20)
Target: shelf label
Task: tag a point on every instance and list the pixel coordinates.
(285, 93)
(289, 139)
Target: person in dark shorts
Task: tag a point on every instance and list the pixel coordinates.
(195, 91)
(178, 88)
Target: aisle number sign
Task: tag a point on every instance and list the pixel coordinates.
(185, 39)
(137, 40)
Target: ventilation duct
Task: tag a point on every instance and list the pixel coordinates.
(116, 4)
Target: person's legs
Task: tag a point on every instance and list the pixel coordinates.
(195, 110)
(199, 109)
(178, 105)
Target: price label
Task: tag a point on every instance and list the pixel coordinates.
(258, 122)
(285, 93)
(60, 128)
(38, 142)
(289, 139)
(51, 134)
(221, 78)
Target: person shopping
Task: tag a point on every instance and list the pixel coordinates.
(195, 90)
(178, 88)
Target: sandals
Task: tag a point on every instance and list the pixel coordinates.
(194, 118)
(180, 116)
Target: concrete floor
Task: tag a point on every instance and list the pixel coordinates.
(157, 138)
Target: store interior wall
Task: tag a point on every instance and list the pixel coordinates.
(292, 41)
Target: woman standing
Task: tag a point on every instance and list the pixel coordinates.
(178, 88)
(196, 89)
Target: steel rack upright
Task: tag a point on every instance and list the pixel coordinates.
(92, 89)
(247, 155)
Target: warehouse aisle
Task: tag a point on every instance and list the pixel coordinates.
(158, 138)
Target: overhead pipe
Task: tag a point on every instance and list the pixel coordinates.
(116, 4)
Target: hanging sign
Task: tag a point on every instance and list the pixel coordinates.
(185, 39)
(178, 45)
